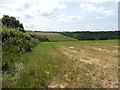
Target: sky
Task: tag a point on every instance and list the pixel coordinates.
(63, 15)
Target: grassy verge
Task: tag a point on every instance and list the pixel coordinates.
(39, 67)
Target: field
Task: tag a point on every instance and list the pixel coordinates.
(71, 64)
(53, 36)
(50, 44)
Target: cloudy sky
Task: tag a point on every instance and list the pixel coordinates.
(63, 15)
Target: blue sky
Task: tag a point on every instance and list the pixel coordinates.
(63, 15)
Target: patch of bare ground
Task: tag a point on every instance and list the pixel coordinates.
(88, 67)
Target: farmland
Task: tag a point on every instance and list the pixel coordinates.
(53, 36)
(59, 44)
(71, 64)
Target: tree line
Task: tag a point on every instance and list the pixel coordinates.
(87, 35)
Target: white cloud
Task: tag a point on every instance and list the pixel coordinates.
(41, 14)
(91, 7)
(107, 12)
(98, 1)
(91, 1)
(46, 6)
(99, 17)
(61, 6)
(88, 7)
(31, 7)
(67, 18)
(30, 11)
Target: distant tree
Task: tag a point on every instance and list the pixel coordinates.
(86, 35)
(12, 22)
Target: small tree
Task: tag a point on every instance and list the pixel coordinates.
(12, 22)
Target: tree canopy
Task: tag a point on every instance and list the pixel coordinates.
(12, 22)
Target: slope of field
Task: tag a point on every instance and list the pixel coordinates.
(74, 64)
(53, 36)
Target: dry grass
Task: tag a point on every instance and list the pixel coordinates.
(90, 66)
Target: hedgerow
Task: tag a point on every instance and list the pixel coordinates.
(15, 42)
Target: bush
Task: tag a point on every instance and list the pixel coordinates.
(40, 38)
(15, 42)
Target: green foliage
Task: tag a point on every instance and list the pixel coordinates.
(93, 35)
(39, 37)
(13, 43)
(12, 22)
(51, 36)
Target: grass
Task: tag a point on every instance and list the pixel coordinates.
(66, 64)
(53, 36)
(39, 66)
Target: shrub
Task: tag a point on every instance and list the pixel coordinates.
(40, 38)
(15, 42)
